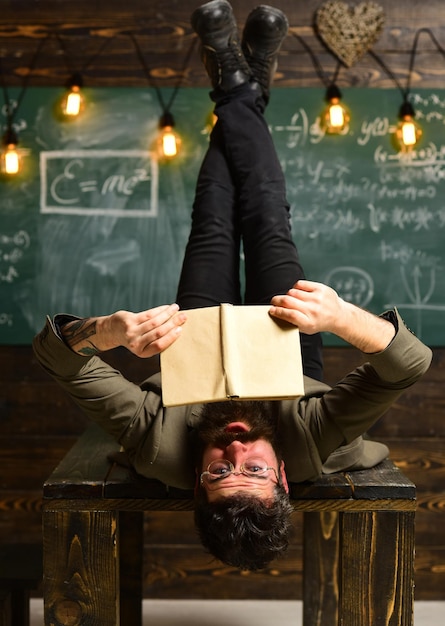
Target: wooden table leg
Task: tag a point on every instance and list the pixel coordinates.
(80, 566)
(320, 569)
(377, 568)
(130, 547)
(358, 568)
(20, 612)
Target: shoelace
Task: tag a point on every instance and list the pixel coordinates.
(261, 68)
(231, 59)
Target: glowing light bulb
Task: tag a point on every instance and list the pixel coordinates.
(73, 102)
(169, 142)
(10, 157)
(12, 160)
(335, 116)
(408, 131)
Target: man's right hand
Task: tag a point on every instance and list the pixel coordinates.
(315, 307)
(145, 334)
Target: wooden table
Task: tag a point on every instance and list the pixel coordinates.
(358, 541)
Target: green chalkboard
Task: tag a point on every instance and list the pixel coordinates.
(94, 223)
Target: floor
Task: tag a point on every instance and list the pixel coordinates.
(239, 613)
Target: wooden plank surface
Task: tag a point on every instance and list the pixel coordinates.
(88, 471)
(86, 591)
(83, 471)
(164, 34)
(363, 601)
(383, 481)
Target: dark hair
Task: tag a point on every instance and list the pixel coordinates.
(242, 530)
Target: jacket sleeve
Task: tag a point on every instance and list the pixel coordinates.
(122, 408)
(355, 403)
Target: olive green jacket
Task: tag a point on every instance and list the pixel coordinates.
(157, 439)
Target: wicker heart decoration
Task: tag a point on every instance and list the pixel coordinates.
(347, 31)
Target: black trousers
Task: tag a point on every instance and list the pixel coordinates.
(240, 205)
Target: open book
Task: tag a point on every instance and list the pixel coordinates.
(232, 352)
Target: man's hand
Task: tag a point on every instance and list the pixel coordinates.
(144, 334)
(315, 307)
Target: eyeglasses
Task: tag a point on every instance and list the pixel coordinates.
(253, 468)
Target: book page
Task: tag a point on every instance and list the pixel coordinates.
(191, 368)
(262, 355)
(234, 352)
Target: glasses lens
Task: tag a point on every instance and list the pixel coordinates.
(255, 467)
(220, 468)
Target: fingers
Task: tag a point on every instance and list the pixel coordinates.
(287, 308)
(155, 317)
(295, 297)
(302, 306)
(306, 286)
(306, 290)
(154, 330)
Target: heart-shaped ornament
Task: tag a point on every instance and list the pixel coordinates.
(349, 32)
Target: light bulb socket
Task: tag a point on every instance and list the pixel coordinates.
(10, 137)
(406, 110)
(333, 92)
(75, 80)
(166, 119)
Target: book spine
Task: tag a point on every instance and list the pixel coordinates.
(230, 362)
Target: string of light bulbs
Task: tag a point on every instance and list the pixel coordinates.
(72, 102)
(10, 155)
(408, 131)
(168, 143)
(334, 119)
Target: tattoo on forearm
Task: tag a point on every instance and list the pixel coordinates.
(79, 332)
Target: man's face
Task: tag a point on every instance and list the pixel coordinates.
(239, 441)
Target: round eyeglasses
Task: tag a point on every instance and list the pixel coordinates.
(253, 468)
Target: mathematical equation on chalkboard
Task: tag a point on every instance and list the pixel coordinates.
(366, 219)
(12, 249)
(119, 183)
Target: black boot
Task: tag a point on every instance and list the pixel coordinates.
(266, 28)
(221, 53)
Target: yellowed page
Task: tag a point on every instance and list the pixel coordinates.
(232, 352)
(230, 359)
(263, 354)
(191, 368)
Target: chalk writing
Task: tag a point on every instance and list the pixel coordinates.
(418, 277)
(379, 127)
(99, 182)
(352, 284)
(12, 249)
(6, 319)
(384, 217)
(296, 131)
(366, 219)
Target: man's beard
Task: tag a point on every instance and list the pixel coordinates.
(259, 416)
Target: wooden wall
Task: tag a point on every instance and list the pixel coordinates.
(38, 423)
(162, 28)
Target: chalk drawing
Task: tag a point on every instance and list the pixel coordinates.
(352, 284)
(99, 182)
